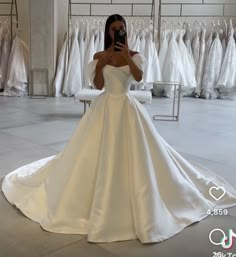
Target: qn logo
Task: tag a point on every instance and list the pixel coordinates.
(227, 242)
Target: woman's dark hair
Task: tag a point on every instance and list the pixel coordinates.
(110, 20)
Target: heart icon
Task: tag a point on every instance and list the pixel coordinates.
(217, 192)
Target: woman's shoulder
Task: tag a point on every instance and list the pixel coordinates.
(133, 53)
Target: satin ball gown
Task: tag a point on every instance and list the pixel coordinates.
(117, 178)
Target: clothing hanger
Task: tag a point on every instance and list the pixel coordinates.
(197, 24)
(226, 29)
(219, 29)
(213, 25)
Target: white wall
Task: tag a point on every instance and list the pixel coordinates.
(207, 10)
(62, 21)
(23, 19)
(42, 44)
(171, 10)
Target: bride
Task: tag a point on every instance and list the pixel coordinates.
(117, 178)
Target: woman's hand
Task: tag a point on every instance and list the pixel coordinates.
(105, 58)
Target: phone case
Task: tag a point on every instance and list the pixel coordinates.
(119, 36)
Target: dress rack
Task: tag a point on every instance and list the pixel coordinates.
(13, 12)
(152, 15)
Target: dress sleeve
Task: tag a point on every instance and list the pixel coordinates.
(140, 61)
(91, 72)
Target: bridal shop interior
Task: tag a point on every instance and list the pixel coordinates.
(188, 90)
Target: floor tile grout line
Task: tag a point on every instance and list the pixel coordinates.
(62, 247)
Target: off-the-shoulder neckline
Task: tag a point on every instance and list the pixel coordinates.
(122, 65)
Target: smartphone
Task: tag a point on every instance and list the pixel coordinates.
(119, 36)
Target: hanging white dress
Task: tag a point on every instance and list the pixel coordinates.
(187, 65)
(18, 65)
(132, 36)
(187, 41)
(96, 39)
(73, 79)
(152, 70)
(223, 42)
(227, 78)
(212, 70)
(6, 46)
(82, 47)
(137, 41)
(90, 51)
(101, 40)
(173, 70)
(200, 66)
(163, 50)
(1, 40)
(142, 36)
(196, 50)
(209, 42)
(117, 178)
(158, 89)
(61, 68)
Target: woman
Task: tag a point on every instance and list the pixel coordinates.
(117, 179)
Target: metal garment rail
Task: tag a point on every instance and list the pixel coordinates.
(70, 15)
(194, 4)
(13, 6)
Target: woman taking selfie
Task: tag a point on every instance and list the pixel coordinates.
(117, 178)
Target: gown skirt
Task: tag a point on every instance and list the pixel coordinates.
(117, 178)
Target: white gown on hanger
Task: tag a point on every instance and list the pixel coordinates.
(1, 40)
(142, 35)
(196, 50)
(200, 66)
(73, 78)
(117, 178)
(61, 68)
(6, 46)
(137, 41)
(101, 40)
(82, 47)
(213, 67)
(188, 66)
(96, 40)
(187, 41)
(163, 50)
(158, 89)
(152, 70)
(90, 51)
(132, 36)
(173, 69)
(227, 78)
(18, 65)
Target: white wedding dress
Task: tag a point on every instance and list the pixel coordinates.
(117, 178)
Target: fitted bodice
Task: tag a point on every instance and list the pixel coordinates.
(117, 80)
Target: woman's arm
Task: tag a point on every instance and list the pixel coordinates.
(103, 59)
(135, 71)
(98, 79)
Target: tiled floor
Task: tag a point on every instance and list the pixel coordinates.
(31, 129)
